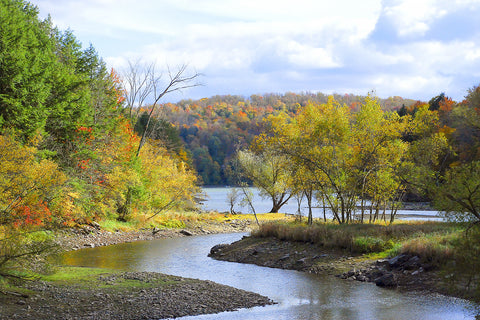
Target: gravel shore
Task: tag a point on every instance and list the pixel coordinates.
(174, 297)
(151, 296)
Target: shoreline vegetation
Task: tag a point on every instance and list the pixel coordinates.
(84, 155)
(408, 255)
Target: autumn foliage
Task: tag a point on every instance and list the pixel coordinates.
(68, 148)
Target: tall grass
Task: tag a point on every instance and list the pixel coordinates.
(369, 238)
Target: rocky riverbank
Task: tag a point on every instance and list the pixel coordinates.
(403, 272)
(89, 236)
(149, 295)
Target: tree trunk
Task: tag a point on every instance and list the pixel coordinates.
(309, 195)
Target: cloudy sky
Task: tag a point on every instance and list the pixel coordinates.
(410, 48)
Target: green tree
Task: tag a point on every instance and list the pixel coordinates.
(27, 62)
(270, 172)
(162, 130)
(459, 194)
(424, 161)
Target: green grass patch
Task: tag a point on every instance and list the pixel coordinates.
(370, 244)
(75, 275)
(113, 225)
(99, 278)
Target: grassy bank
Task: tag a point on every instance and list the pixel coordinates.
(452, 249)
(427, 239)
(179, 220)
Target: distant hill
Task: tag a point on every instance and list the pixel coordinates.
(213, 128)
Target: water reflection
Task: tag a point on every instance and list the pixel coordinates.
(217, 200)
(300, 296)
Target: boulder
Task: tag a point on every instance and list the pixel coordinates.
(412, 263)
(387, 280)
(398, 261)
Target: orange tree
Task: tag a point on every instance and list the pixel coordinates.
(33, 198)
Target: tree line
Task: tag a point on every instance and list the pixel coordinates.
(212, 129)
(361, 163)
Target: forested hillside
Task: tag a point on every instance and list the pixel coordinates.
(68, 150)
(212, 129)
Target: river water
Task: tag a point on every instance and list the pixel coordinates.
(299, 296)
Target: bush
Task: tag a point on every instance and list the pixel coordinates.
(25, 251)
(436, 248)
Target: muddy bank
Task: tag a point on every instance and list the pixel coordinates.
(147, 296)
(403, 272)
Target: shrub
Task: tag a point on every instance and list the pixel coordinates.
(25, 251)
(466, 266)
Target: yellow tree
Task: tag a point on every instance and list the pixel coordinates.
(168, 182)
(270, 172)
(32, 197)
(29, 189)
(377, 150)
(319, 139)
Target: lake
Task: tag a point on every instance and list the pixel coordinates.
(216, 199)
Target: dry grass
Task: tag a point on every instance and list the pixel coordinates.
(429, 239)
(180, 219)
(435, 248)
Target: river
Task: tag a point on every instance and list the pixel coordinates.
(216, 199)
(300, 296)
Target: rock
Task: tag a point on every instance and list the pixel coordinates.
(351, 273)
(95, 225)
(361, 278)
(412, 263)
(186, 232)
(387, 280)
(398, 261)
(320, 256)
(382, 263)
(216, 249)
(285, 257)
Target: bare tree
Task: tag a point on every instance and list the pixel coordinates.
(137, 84)
(142, 83)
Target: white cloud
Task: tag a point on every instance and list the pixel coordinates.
(413, 16)
(256, 46)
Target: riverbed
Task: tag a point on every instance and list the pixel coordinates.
(298, 295)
